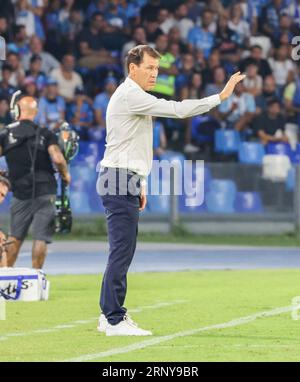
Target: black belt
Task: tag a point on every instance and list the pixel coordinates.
(130, 172)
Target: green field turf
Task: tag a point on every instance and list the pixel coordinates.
(196, 300)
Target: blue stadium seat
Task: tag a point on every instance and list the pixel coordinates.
(182, 199)
(251, 152)
(190, 175)
(203, 128)
(225, 186)
(227, 141)
(279, 148)
(220, 202)
(247, 202)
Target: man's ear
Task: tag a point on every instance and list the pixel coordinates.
(132, 67)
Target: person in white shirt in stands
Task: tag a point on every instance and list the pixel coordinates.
(67, 79)
(126, 164)
(49, 62)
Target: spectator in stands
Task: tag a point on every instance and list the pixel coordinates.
(269, 126)
(291, 98)
(35, 71)
(253, 82)
(101, 101)
(269, 92)
(20, 40)
(226, 40)
(192, 90)
(80, 115)
(51, 21)
(270, 17)
(186, 68)
(138, 38)
(30, 87)
(6, 89)
(68, 80)
(165, 20)
(4, 30)
(285, 29)
(249, 11)
(174, 37)
(91, 44)
(36, 47)
(150, 9)
(18, 74)
(152, 29)
(194, 9)
(219, 80)
(182, 22)
(51, 107)
(238, 24)
(179, 20)
(37, 7)
(293, 11)
(256, 56)
(239, 110)
(130, 12)
(70, 28)
(211, 64)
(24, 16)
(96, 6)
(282, 67)
(201, 38)
(5, 118)
(165, 82)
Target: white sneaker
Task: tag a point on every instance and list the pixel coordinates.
(102, 323)
(127, 327)
(190, 148)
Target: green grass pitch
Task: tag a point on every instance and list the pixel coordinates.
(64, 328)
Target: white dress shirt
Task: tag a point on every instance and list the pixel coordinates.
(129, 132)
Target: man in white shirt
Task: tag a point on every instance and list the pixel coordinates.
(126, 164)
(67, 79)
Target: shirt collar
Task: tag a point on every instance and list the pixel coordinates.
(131, 82)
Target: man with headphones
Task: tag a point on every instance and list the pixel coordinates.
(30, 151)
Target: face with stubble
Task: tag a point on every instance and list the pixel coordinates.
(146, 73)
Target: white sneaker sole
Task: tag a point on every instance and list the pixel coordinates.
(101, 330)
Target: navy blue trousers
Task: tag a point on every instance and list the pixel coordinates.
(122, 216)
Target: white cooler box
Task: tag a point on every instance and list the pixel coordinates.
(23, 284)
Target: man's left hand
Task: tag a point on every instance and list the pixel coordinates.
(229, 87)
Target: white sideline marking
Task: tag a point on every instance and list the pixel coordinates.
(89, 321)
(158, 340)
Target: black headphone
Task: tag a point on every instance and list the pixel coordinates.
(15, 110)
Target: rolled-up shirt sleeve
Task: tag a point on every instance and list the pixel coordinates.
(141, 103)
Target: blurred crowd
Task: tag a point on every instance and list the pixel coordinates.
(71, 55)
